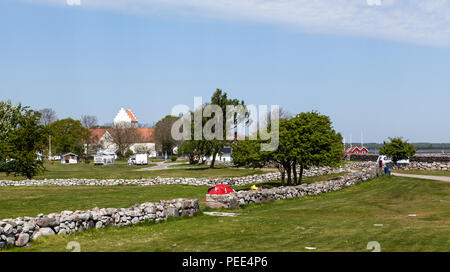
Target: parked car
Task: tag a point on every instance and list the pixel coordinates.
(132, 160)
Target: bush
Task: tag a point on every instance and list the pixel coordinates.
(129, 153)
(173, 158)
(397, 149)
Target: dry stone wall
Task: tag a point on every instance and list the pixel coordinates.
(426, 166)
(236, 181)
(427, 162)
(21, 231)
(241, 198)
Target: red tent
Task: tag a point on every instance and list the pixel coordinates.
(220, 189)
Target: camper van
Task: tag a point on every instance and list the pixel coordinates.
(138, 159)
(104, 160)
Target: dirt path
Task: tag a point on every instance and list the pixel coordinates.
(159, 166)
(438, 178)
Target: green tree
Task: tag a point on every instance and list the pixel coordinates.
(198, 149)
(68, 135)
(22, 142)
(306, 140)
(9, 118)
(397, 149)
(221, 99)
(314, 142)
(163, 137)
(129, 153)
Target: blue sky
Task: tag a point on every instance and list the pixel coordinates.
(377, 67)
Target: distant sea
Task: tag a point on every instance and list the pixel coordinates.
(446, 151)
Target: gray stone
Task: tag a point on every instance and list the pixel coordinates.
(10, 241)
(172, 211)
(46, 232)
(45, 222)
(8, 229)
(28, 226)
(36, 235)
(99, 225)
(23, 239)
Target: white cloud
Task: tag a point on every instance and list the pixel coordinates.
(374, 2)
(414, 21)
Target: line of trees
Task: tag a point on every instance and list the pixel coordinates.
(26, 136)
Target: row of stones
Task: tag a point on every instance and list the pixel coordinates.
(241, 198)
(423, 158)
(21, 231)
(236, 181)
(427, 166)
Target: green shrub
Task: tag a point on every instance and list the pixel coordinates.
(173, 158)
(129, 153)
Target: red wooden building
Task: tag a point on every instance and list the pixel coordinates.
(357, 150)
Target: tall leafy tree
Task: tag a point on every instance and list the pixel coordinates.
(22, 141)
(221, 99)
(397, 149)
(9, 118)
(197, 149)
(306, 140)
(314, 142)
(163, 137)
(68, 135)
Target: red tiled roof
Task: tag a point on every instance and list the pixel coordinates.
(131, 115)
(97, 134)
(146, 134)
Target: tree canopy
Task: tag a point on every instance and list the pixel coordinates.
(163, 137)
(306, 140)
(22, 139)
(197, 149)
(397, 149)
(68, 135)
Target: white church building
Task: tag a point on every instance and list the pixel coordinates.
(125, 118)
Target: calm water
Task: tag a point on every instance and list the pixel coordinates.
(447, 151)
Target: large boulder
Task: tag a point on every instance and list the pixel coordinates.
(46, 232)
(23, 239)
(45, 222)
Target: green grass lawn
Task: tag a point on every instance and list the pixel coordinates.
(427, 173)
(337, 221)
(121, 170)
(30, 201)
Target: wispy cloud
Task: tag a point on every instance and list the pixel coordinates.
(413, 21)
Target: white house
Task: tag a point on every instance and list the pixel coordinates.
(69, 158)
